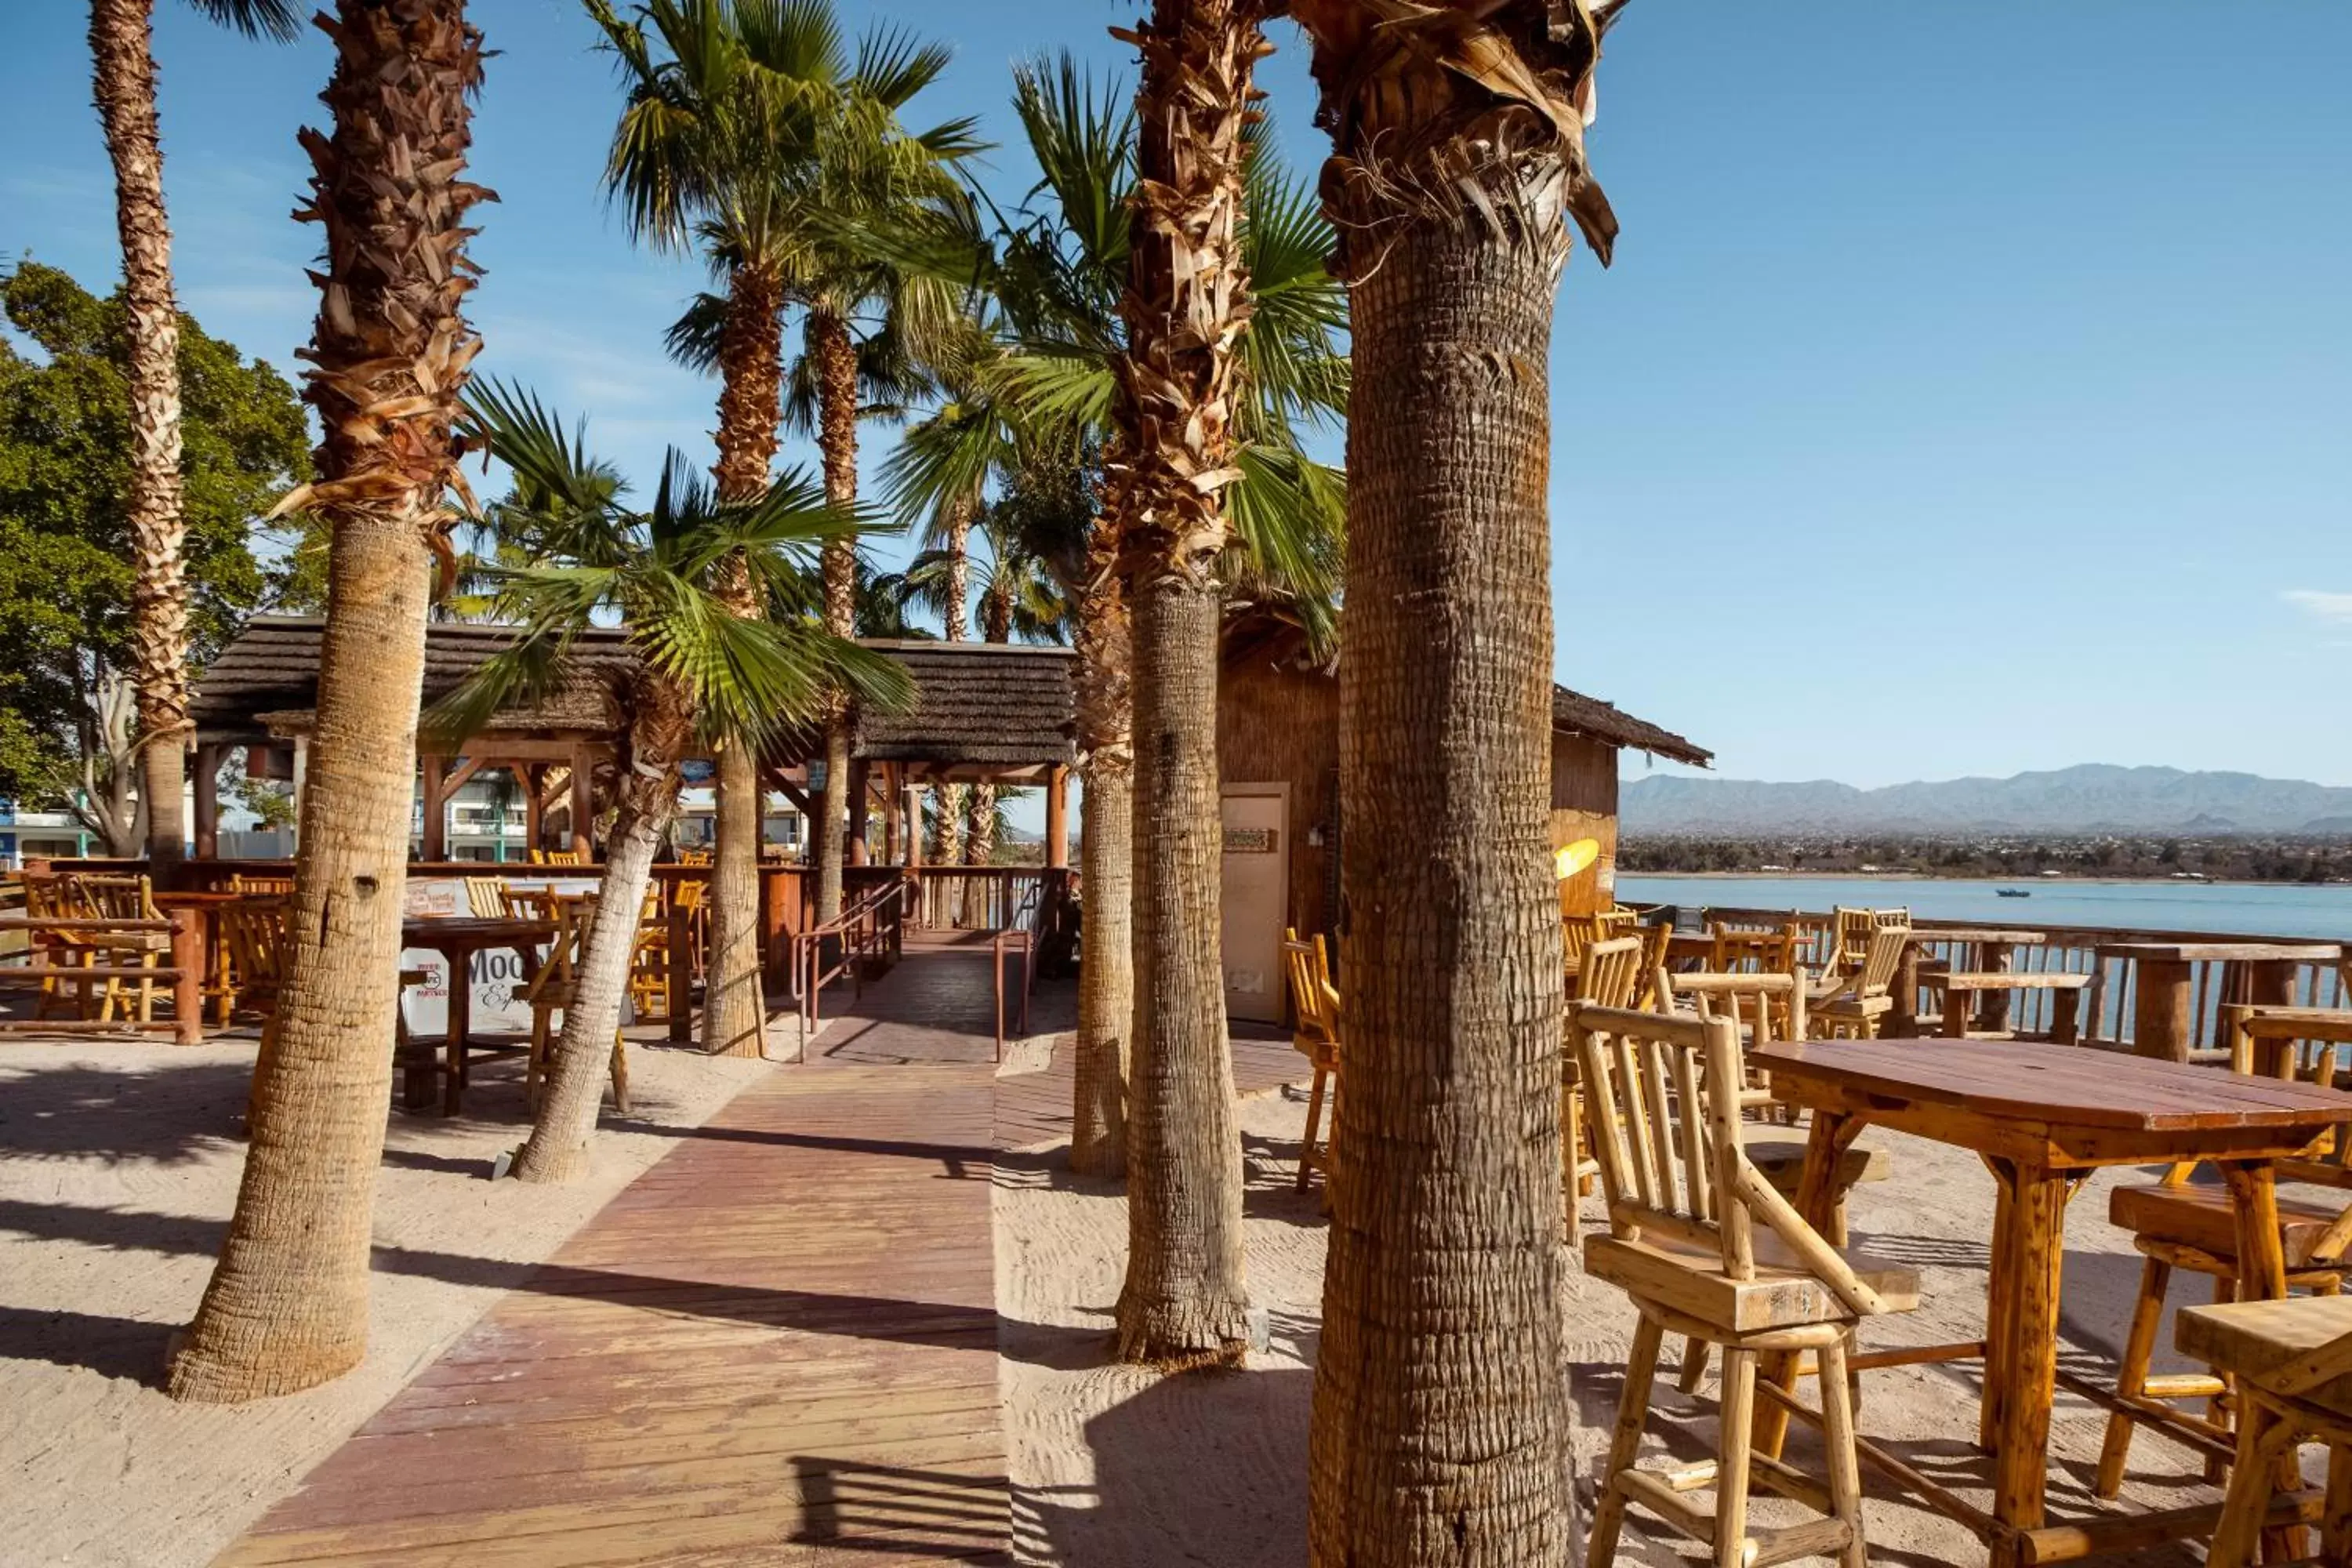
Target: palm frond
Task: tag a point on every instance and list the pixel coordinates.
(273, 19)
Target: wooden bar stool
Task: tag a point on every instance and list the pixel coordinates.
(2292, 1363)
(2178, 1225)
(1315, 1035)
(1610, 976)
(1707, 1248)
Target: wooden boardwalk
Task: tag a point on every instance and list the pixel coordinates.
(778, 1346)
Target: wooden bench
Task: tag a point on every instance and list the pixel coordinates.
(1960, 989)
(98, 938)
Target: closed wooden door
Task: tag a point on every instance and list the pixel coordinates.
(1257, 897)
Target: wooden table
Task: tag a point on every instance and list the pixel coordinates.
(2041, 1117)
(2163, 1023)
(1995, 949)
(458, 941)
(218, 984)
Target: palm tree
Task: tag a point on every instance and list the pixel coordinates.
(1458, 166)
(747, 130)
(121, 47)
(703, 673)
(287, 1307)
(1054, 275)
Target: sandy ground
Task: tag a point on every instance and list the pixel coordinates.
(119, 1166)
(1113, 1467)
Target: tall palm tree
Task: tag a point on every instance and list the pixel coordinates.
(121, 47)
(287, 1307)
(1055, 274)
(1458, 166)
(702, 673)
(748, 130)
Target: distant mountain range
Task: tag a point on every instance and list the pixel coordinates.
(2092, 798)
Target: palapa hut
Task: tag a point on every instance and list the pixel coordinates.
(1278, 750)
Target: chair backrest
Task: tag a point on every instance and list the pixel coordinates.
(693, 857)
(1757, 1003)
(1881, 957)
(1615, 921)
(555, 857)
(1577, 932)
(2270, 1042)
(1665, 1123)
(117, 898)
(261, 887)
(254, 932)
(1612, 972)
(1651, 989)
(1313, 998)
(55, 898)
(572, 914)
(486, 897)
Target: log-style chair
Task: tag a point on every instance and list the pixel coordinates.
(1707, 1248)
(1315, 1035)
(253, 933)
(551, 989)
(1753, 951)
(486, 898)
(54, 898)
(2291, 1362)
(650, 961)
(555, 858)
(1610, 976)
(1850, 1005)
(261, 887)
(123, 899)
(1650, 990)
(2176, 1224)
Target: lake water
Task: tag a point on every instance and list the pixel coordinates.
(2266, 908)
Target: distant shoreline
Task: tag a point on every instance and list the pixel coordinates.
(2029, 882)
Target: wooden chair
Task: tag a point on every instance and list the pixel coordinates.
(1850, 1007)
(1315, 1035)
(1611, 975)
(650, 961)
(1745, 949)
(2291, 1362)
(121, 898)
(552, 988)
(262, 887)
(1707, 1248)
(253, 933)
(555, 858)
(486, 897)
(55, 898)
(1650, 990)
(2178, 1225)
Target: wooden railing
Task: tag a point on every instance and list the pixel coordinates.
(975, 898)
(2107, 1012)
(871, 926)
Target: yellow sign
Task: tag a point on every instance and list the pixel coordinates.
(1575, 858)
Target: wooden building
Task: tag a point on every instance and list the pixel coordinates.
(1278, 750)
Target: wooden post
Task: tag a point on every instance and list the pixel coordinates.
(583, 806)
(187, 978)
(855, 854)
(534, 779)
(435, 844)
(1995, 956)
(208, 761)
(2160, 1021)
(1057, 816)
(892, 799)
(913, 793)
(2271, 982)
(678, 976)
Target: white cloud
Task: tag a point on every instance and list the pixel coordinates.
(2317, 602)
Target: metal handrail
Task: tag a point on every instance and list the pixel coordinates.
(861, 931)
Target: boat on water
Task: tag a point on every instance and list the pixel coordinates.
(2014, 892)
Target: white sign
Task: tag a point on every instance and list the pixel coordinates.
(498, 978)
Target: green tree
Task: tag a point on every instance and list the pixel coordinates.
(70, 730)
(703, 674)
(122, 56)
(748, 128)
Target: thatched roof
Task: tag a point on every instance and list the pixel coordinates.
(270, 674)
(977, 706)
(1582, 715)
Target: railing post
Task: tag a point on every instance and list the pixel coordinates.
(187, 978)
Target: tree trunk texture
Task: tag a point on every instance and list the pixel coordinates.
(750, 405)
(836, 368)
(1186, 306)
(1440, 1430)
(557, 1150)
(287, 1307)
(734, 1001)
(121, 47)
(1106, 876)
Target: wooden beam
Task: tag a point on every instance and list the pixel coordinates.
(1057, 818)
(435, 842)
(792, 792)
(208, 761)
(583, 806)
(912, 794)
(466, 769)
(530, 777)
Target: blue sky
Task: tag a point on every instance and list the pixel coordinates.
(1970, 393)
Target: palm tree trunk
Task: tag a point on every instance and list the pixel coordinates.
(1186, 306)
(1107, 873)
(836, 383)
(1447, 1445)
(287, 1307)
(557, 1150)
(121, 45)
(750, 405)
